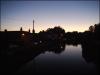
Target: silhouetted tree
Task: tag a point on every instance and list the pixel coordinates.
(72, 37)
(91, 28)
(55, 33)
(97, 31)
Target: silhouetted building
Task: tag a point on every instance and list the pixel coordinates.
(21, 29)
(5, 30)
(29, 30)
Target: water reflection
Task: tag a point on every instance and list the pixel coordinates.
(68, 62)
(52, 58)
(90, 52)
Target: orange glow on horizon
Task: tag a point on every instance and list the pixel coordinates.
(43, 27)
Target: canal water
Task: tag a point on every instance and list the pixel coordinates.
(70, 61)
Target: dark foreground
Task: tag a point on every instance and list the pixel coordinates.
(52, 58)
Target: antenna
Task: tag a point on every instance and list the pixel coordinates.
(33, 26)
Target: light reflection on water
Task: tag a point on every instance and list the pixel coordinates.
(69, 61)
(70, 52)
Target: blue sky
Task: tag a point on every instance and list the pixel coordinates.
(70, 15)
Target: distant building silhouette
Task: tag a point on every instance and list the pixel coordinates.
(21, 29)
(5, 30)
(29, 30)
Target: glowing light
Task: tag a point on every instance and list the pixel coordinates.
(61, 47)
(40, 41)
(23, 34)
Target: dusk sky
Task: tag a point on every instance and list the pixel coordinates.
(70, 15)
